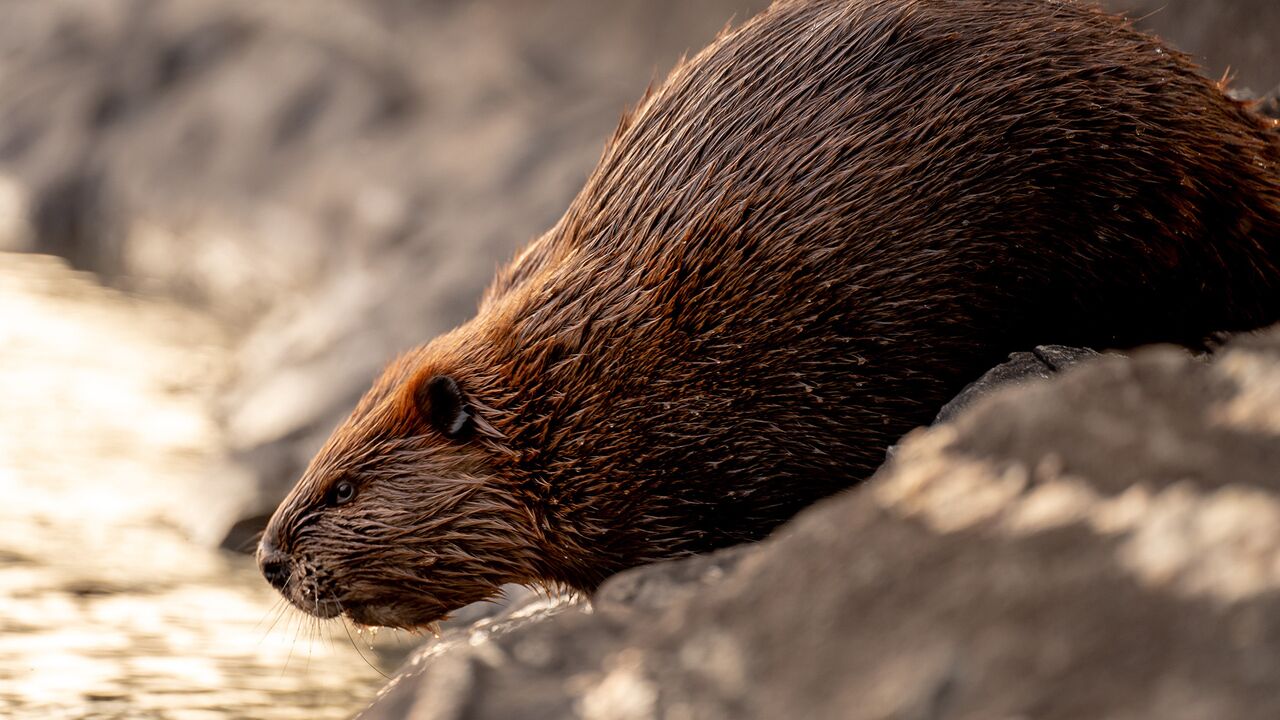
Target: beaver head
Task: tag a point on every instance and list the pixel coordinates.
(471, 463)
(400, 518)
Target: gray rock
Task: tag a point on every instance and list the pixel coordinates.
(1104, 544)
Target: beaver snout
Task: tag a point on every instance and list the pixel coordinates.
(274, 565)
(298, 580)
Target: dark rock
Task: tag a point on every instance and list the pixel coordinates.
(1041, 363)
(1001, 566)
(1229, 38)
(244, 534)
(72, 217)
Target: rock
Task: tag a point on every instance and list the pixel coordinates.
(1041, 363)
(1229, 38)
(15, 232)
(1104, 544)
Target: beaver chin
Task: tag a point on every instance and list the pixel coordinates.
(374, 613)
(401, 615)
(307, 599)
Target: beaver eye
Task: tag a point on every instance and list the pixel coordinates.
(342, 492)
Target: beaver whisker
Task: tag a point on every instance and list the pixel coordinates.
(343, 618)
(281, 607)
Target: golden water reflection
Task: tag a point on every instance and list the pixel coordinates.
(112, 602)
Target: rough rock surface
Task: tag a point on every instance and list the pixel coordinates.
(1104, 544)
(341, 181)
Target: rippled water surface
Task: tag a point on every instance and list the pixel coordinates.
(112, 601)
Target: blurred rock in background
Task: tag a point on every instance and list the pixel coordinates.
(1235, 38)
(338, 181)
(338, 184)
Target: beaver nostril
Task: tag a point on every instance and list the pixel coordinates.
(276, 571)
(274, 565)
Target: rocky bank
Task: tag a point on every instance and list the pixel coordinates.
(1102, 544)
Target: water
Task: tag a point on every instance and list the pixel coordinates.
(113, 603)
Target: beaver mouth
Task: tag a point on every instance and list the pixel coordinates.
(309, 586)
(321, 608)
(308, 598)
(298, 579)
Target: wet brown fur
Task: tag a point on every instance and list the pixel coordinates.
(793, 251)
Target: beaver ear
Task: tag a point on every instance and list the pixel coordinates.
(441, 402)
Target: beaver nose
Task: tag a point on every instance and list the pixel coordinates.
(273, 564)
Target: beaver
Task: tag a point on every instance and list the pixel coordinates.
(792, 251)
